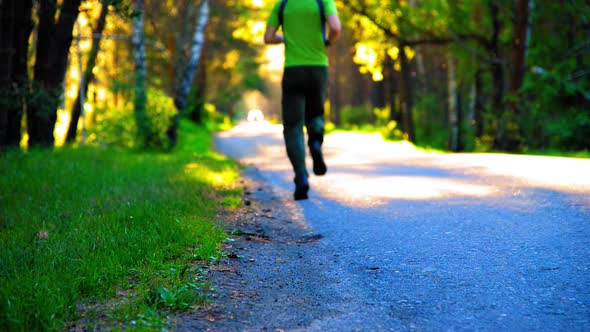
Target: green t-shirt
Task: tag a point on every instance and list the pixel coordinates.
(304, 44)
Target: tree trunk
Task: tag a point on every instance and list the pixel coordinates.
(8, 17)
(140, 98)
(406, 100)
(363, 88)
(478, 105)
(390, 79)
(189, 73)
(497, 70)
(453, 106)
(378, 93)
(53, 47)
(508, 135)
(343, 75)
(461, 145)
(88, 73)
(7, 26)
(20, 75)
(13, 68)
(421, 76)
(200, 89)
(334, 85)
(377, 99)
(511, 139)
(519, 47)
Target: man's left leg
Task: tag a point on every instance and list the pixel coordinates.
(314, 116)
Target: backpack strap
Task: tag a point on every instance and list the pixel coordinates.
(323, 19)
(322, 15)
(282, 11)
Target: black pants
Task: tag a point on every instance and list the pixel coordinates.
(305, 89)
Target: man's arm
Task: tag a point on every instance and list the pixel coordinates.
(334, 28)
(271, 36)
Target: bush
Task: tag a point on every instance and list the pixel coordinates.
(430, 122)
(351, 116)
(555, 113)
(118, 127)
(391, 131)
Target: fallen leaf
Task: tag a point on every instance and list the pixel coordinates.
(42, 235)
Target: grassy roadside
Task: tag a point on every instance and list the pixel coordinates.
(371, 129)
(567, 154)
(80, 226)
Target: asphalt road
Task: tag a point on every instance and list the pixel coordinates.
(408, 240)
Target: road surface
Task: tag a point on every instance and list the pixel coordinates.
(404, 240)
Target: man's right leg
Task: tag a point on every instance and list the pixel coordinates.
(293, 114)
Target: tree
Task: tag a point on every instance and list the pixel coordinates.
(16, 25)
(189, 72)
(140, 97)
(235, 54)
(397, 35)
(508, 136)
(54, 40)
(406, 96)
(195, 113)
(88, 75)
(454, 108)
(521, 77)
(446, 22)
(555, 97)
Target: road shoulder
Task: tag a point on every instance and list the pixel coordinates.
(260, 283)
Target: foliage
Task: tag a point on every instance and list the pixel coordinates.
(102, 221)
(117, 127)
(558, 44)
(557, 91)
(234, 53)
(114, 127)
(431, 130)
(557, 118)
(355, 115)
(478, 34)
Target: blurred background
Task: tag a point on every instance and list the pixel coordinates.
(457, 75)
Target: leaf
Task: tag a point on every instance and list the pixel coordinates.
(237, 231)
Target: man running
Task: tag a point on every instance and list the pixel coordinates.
(305, 78)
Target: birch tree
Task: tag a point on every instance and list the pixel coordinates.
(140, 98)
(189, 73)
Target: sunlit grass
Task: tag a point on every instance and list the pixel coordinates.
(571, 154)
(378, 132)
(425, 147)
(79, 225)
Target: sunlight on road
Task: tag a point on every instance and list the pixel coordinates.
(403, 187)
(251, 129)
(364, 170)
(565, 174)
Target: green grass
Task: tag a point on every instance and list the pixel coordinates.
(552, 153)
(369, 129)
(79, 226)
(432, 148)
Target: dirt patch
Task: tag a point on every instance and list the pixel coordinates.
(268, 280)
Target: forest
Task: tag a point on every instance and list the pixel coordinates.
(456, 75)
